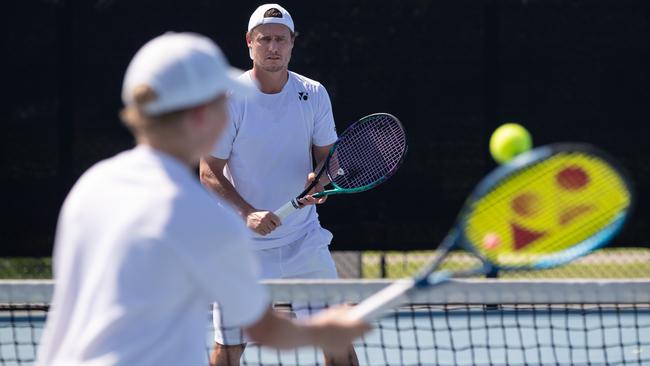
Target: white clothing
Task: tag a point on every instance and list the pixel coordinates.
(141, 250)
(307, 257)
(268, 145)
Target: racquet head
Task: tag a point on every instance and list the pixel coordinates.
(546, 207)
(367, 153)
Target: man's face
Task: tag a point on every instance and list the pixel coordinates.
(271, 46)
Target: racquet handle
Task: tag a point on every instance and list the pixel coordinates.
(287, 209)
(293, 205)
(396, 294)
(386, 299)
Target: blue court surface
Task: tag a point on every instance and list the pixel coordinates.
(463, 336)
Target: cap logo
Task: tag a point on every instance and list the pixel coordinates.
(272, 13)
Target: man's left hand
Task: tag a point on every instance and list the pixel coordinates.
(309, 199)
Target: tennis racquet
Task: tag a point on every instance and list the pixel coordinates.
(365, 155)
(545, 208)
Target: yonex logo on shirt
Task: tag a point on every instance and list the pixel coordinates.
(303, 95)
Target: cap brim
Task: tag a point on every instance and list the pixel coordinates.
(238, 87)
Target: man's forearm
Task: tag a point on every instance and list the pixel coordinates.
(331, 330)
(279, 332)
(320, 156)
(224, 189)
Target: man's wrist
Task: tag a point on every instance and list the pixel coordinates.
(244, 213)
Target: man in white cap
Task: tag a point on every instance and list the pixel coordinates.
(140, 243)
(266, 157)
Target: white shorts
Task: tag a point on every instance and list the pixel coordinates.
(308, 257)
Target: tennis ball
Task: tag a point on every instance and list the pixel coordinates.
(508, 141)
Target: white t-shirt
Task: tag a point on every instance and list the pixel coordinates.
(268, 145)
(141, 251)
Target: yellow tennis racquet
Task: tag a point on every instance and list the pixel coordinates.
(545, 208)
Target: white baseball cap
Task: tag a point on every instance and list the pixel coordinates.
(184, 70)
(258, 18)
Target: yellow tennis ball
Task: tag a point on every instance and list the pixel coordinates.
(508, 141)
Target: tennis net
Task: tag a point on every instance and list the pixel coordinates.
(465, 322)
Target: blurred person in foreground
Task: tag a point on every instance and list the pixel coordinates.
(136, 261)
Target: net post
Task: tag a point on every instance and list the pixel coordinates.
(492, 273)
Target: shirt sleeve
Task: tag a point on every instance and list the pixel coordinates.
(324, 127)
(223, 263)
(236, 286)
(224, 144)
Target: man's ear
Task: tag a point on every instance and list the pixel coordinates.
(249, 39)
(197, 115)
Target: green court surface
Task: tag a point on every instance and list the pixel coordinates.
(26, 268)
(605, 263)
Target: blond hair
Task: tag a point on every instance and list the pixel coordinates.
(137, 120)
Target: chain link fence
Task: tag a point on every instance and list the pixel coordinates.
(606, 263)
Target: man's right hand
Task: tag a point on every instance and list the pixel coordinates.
(262, 222)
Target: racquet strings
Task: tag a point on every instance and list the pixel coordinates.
(368, 153)
(544, 210)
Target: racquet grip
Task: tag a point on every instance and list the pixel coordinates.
(376, 305)
(287, 209)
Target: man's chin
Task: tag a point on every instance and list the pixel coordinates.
(273, 68)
